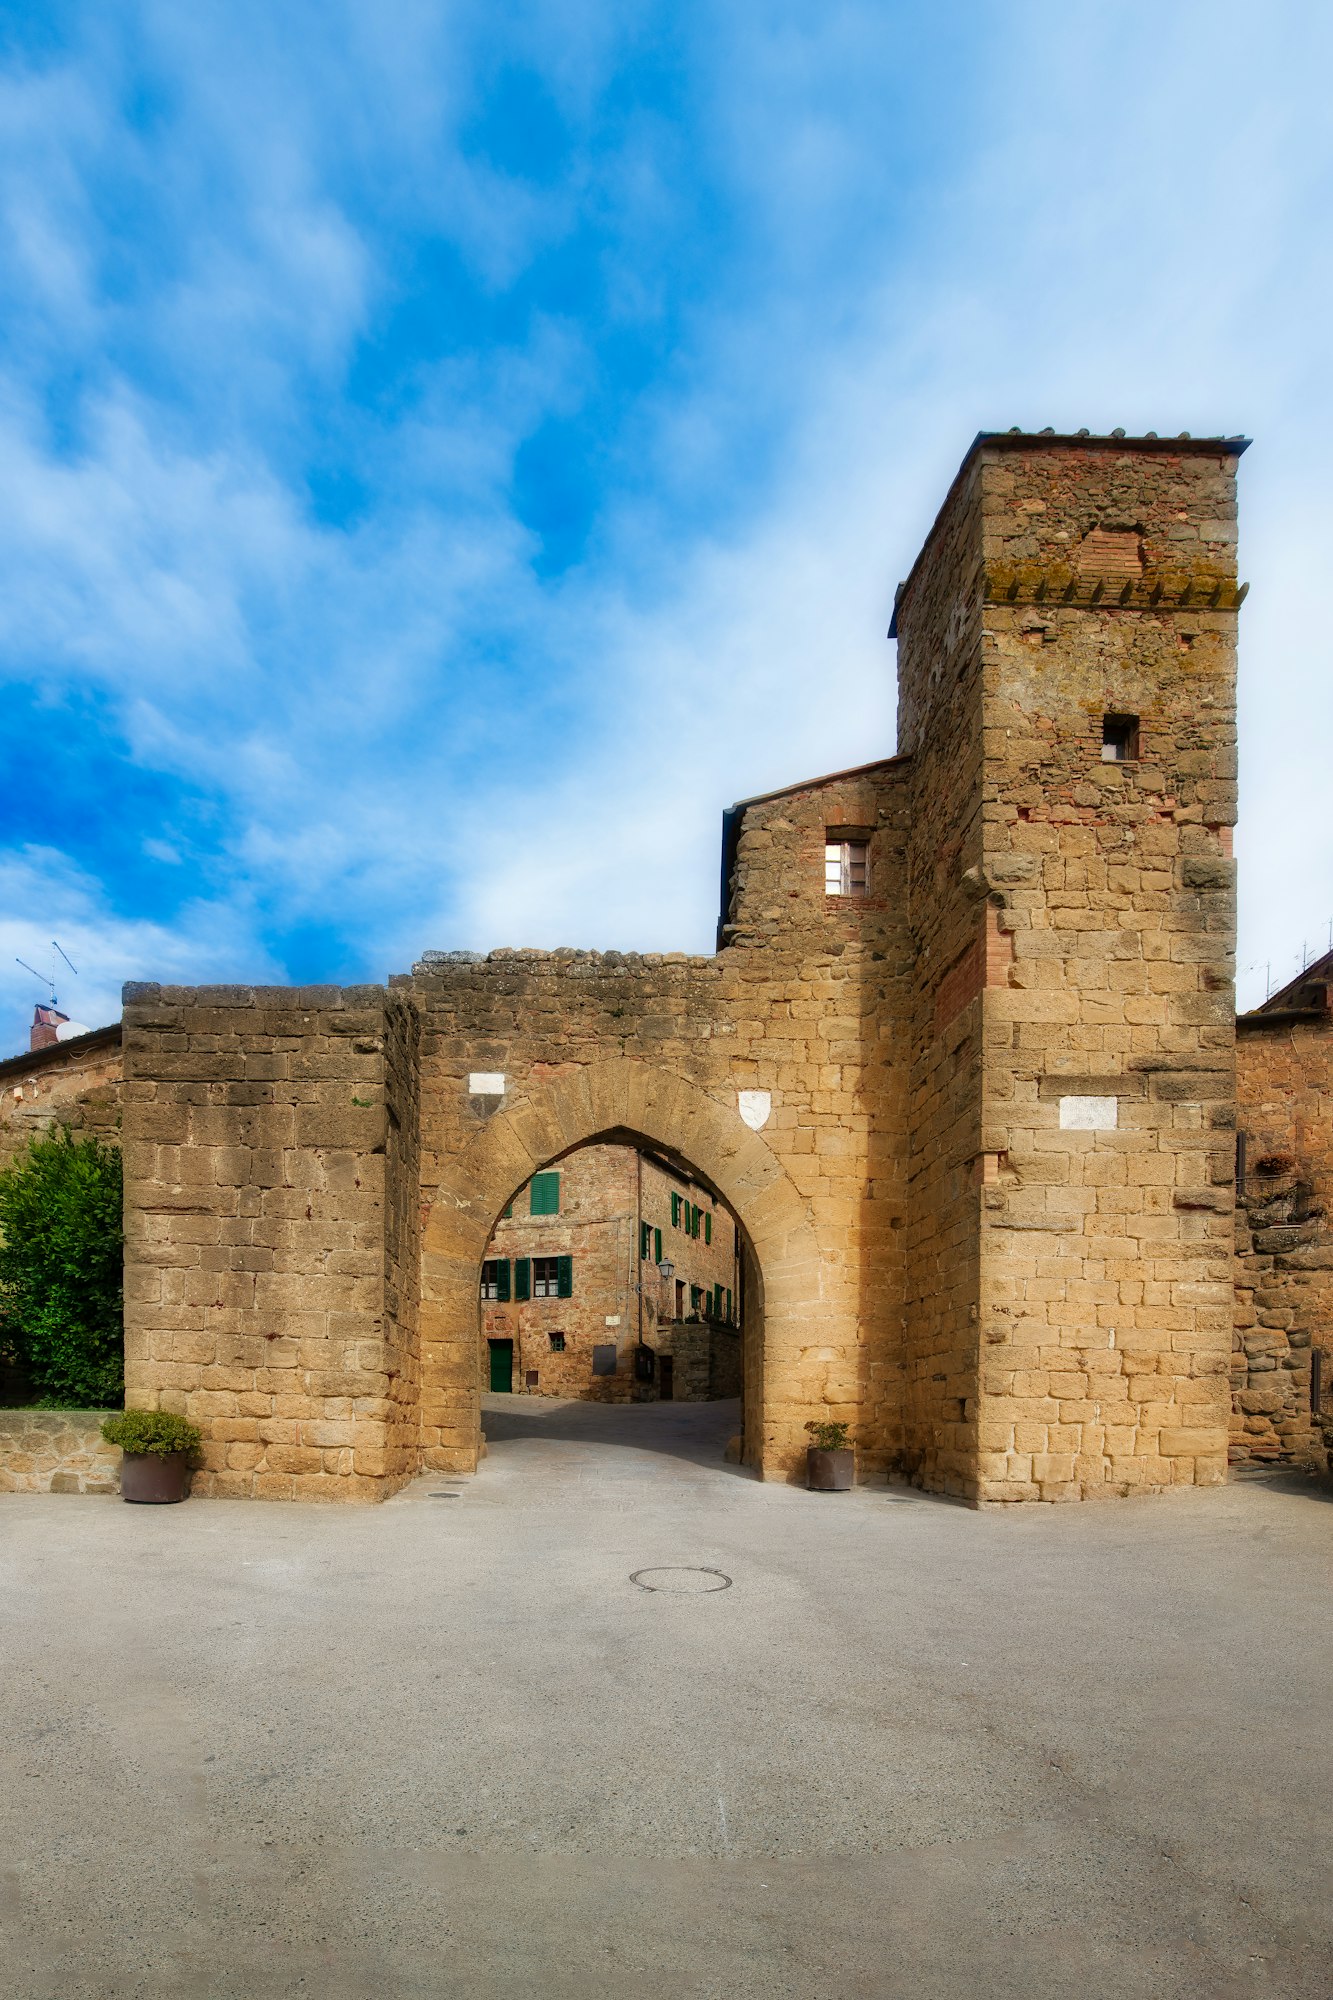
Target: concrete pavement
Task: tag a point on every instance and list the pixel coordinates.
(447, 1746)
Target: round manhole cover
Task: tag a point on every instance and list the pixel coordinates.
(681, 1582)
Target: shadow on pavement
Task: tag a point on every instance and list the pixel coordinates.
(694, 1431)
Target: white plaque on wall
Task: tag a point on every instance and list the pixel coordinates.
(1087, 1114)
(486, 1083)
(755, 1106)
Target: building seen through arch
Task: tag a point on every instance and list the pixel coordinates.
(614, 1275)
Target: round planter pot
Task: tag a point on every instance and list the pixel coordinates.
(146, 1475)
(830, 1471)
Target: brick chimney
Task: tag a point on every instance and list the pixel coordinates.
(45, 1021)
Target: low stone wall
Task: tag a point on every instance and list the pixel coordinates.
(56, 1451)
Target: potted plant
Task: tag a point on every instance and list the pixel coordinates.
(830, 1462)
(157, 1448)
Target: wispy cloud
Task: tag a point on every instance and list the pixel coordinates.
(445, 465)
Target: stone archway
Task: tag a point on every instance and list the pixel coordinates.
(568, 1108)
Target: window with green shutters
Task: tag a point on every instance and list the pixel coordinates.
(522, 1277)
(645, 1238)
(675, 1211)
(696, 1297)
(728, 1305)
(545, 1194)
(495, 1279)
(657, 1246)
(708, 1229)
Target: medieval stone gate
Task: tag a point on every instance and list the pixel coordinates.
(963, 1064)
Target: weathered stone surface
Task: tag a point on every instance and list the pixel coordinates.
(290, 1233)
(56, 1451)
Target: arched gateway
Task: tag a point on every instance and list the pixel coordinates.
(962, 1064)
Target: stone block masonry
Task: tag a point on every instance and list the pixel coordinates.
(56, 1451)
(962, 1067)
(270, 1139)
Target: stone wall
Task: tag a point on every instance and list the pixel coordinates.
(75, 1083)
(56, 1451)
(1284, 1241)
(270, 1232)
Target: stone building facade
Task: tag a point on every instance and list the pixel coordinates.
(75, 1083)
(573, 1303)
(1282, 1359)
(963, 1065)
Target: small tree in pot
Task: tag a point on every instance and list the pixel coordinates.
(830, 1462)
(157, 1449)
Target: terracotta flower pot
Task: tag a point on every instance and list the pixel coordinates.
(830, 1471)
(147, 1475)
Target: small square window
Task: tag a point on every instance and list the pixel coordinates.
(1120, 738)
(557, 1343)
(545, 1277)
(846, 867)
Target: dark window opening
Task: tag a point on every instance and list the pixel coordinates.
(546, 1277)
(557, 1343)
(1120, 738)
(604, 1360)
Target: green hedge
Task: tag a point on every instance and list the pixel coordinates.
(61, 1274)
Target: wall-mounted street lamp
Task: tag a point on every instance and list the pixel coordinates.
(666, 1268)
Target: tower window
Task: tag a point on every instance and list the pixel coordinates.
(1120, 738)
(846, 866)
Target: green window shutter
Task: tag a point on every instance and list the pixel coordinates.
(708, 1228)
(698, 1212)
(545, 1196)
(522, 1277)
(675, 1211)
(657, 1246)
(728, 1305)
(643, 1239)
(502, 1278)
(564, 1277)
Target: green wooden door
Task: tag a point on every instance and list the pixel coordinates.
(502, 1367)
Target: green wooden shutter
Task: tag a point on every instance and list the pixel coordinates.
(522, 1277)
(708, 1228)
(502, 1278)
(545, 1195)
(644, 1232)
(675, 1211)
(657, 1246)
(564, 1277)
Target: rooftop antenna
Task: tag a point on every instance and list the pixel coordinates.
(48, 979)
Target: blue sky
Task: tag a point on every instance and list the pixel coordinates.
(447, 453)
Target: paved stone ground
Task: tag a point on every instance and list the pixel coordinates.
(447, 1747)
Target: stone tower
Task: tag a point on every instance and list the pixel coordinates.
(1067, 643)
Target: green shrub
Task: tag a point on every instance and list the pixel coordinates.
(150, 1430)
(827, 1437)
(61, 1274)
